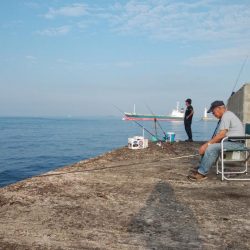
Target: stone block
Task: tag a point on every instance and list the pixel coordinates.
(239, 103)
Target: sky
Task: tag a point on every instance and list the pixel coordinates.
(79, 58)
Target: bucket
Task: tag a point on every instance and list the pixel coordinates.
(154, 139)
(171, 136)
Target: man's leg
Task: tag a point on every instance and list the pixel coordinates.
(209, 158)
(185, 125)
(188, 129)
(212, 154)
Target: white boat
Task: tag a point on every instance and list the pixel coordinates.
(176, 115)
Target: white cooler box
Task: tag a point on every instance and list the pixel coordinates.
(137, 142)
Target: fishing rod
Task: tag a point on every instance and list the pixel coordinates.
(236, 82)
(137, 123)
(157, 121)
(241, 69)
(165, 135)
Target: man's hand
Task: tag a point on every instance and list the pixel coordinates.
(203, 148)
(216, 139)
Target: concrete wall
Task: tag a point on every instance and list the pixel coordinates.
(239, 103)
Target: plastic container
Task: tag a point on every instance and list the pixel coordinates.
(171, 137)
(154, 139)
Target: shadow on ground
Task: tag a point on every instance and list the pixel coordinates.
(165, 223)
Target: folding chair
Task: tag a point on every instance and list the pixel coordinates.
(235, 158)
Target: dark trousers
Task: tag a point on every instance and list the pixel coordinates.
(188, 129)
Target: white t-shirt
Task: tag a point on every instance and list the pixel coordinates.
(232, 123)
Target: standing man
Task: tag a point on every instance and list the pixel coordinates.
(188, 119)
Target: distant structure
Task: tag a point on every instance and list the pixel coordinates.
(239, 103)
(205, 116)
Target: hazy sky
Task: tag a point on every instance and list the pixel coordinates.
(62, 57)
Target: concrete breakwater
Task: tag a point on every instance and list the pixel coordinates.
(127, 199)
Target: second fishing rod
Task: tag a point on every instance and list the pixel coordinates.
(154, 136)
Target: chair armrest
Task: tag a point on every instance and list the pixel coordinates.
(240, 138)
(244, 137)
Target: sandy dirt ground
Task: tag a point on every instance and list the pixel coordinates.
(127, 199)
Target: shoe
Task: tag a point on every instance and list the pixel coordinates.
(197, 177)
(194, 170)
(189, 140)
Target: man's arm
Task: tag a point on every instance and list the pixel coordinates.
(218, 137)
(215, 139)
(192, 112)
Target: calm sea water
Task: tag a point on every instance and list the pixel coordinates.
(31, 146)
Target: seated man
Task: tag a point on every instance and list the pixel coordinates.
(229, 125)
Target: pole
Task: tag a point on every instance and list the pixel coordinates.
(237, 79)
(156, 120)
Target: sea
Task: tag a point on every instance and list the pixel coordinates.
(31, 146)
